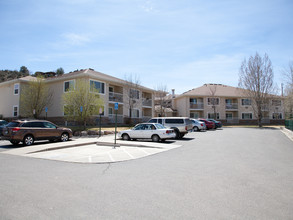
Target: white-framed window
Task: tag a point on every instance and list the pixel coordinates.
(69, 85)
(134, 94)
(135, 113)
(247, 115)
(276, 102)
(213, 101)
(16, 89)
(277, 116)
(193, 100)
(97, 86)
(15, 111)
(229, 116)
(110, 111)
(194, 115)
(245, 101)
(212, 115)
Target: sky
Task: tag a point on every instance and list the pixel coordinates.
(176, 44)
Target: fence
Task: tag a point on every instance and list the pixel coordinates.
(289, 124)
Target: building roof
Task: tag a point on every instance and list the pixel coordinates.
(218, 90)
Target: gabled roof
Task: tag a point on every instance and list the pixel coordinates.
(94, 75)
(218, 90)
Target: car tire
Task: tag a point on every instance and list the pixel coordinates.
(155, 138)
(195, 128)
(15, 143)
(28, 140)
(125, 137)
(177, 134)
(64, 137)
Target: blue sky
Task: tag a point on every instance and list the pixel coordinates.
(181, 44)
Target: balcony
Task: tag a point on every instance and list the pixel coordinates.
(232, 106)
(147, 102)
(196, 106)
(115, 97)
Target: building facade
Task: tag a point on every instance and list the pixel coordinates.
(111, 90)
(227, 104)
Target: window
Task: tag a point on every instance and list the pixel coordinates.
(193, 100)
(213, 101)
(68, 86)
(15, 111)
(134, 113)
(246, 101)
(276, 102)
(96, 86)
(212, 115)
(194, 115)
(229, 101)
(229, 116)
(16, 88)
(110, 111)
(49, 125)
(246, 115)
(174, 121)
(277, 115)
(134, 94)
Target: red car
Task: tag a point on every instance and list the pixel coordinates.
(209, 124)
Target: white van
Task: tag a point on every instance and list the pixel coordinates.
(181, 125)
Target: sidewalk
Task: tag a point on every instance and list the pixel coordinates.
(93, 150)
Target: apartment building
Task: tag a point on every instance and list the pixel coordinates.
(111, 90)
(227, 104)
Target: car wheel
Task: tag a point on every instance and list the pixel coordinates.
(155, 138)
(28, 140)
(15, 143)
(177, 134)
(195, 128)
(64, 137)
(125, 137)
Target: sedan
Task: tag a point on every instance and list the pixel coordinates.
(209, 124)
(198, 125)
(154, 131)
(218, 124)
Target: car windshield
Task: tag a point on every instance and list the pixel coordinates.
(3, 122)
(160, 126)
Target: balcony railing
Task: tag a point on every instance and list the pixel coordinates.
(232, 106)
(115, 97)
(147, 102)
(196, 106)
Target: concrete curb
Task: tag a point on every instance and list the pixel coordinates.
(287, 132)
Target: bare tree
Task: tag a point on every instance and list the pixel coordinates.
(256, 78)
(132, 94)
(288, 74)
(162, 100)
(35, 97)
(214, 101)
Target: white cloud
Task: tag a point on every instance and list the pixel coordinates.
(76, 39)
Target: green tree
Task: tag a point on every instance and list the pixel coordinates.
(60, 71)
(82, 95)
(34, 97)
(24, 71)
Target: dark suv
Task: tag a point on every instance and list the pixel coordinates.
(27, 131)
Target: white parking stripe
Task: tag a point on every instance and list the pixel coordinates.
(111, 158)
(132, 157)
(144, 151)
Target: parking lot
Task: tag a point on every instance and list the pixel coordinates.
(234, 173)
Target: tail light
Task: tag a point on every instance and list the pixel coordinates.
(186, 128)
(15, 129)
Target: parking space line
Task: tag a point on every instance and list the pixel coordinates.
(111, 158)
(144, 151)
(132, 157)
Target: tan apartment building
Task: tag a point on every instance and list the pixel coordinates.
(111, 90)
(227, 104)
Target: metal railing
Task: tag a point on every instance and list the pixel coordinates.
(147, 102)
(115, 97)
(232, 106)
(196, 106)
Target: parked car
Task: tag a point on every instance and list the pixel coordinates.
(2, 124)
(27, 131)
(154, 131)
(198, 125)
(181, 125)
(218, 124)
(209, 124)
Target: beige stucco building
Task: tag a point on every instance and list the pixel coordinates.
(111, 90)
(229, 103)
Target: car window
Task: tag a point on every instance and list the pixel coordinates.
(153, 120)
(160, 121)
(33, 125)
(159, 126)
(174, 121)
(49, 125)
(12, 124)
(139, 127)
(150, 127)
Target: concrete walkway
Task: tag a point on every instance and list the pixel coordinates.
(93, 150)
